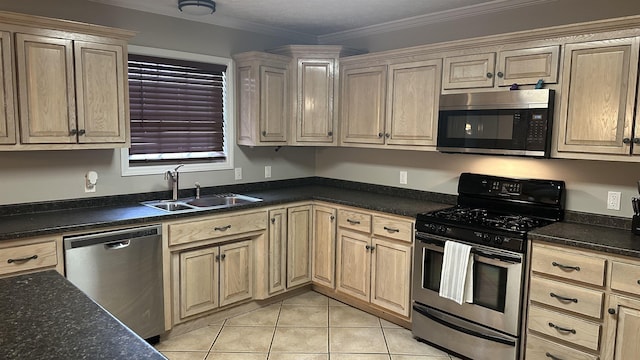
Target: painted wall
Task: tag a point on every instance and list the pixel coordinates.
(52, 175)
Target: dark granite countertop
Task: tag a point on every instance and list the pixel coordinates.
(18, 223)
(43, 316)
(591, 237)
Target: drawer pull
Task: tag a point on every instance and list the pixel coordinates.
(573, 331)
(391, 229)
(562, 298)
(353, 222)
(222, 228)
(24, 259)
(566, 267)
(552, 357)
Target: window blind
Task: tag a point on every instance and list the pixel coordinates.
(177, 109)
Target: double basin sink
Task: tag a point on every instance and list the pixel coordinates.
(207, 202)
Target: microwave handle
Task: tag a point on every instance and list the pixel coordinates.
(424, 311)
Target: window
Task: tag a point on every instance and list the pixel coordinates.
(180, 108)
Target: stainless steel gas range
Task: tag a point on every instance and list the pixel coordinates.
(493, 216)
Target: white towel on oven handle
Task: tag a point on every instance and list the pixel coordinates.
(456, 280)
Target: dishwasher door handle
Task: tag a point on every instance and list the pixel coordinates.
(117, 245)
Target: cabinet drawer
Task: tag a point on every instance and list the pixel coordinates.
(566, 297)
(216, 227)
(625, 277)
(354, 220)
(571, 266)
(541, 349)
(393, 228)
(28, 257)
(564, 327)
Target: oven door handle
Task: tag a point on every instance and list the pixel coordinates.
(500, 257)
(423, 311)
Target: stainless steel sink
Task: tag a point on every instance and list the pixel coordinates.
(203, 203)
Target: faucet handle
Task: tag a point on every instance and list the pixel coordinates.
(197, 185)
(178, 167)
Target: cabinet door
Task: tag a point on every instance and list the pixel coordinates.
(468, 71)
(274, 104)
(353, 263)
(622, 340)
(236, 272)
(100, 89)
(324, 250)
(598, 95)
(277, 250)
(198, 281)
(527, 66)
(7, 108)
(315, 118)
(391, 276)
(363, 105)
(299, 245)
(412, 112)
(46, 89)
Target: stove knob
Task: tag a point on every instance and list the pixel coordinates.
(441, 229)
(486, 237)
(499, 239)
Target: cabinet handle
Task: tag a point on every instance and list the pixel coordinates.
(391, 229)
(626, 141)
(368, 247)
(222, 228)
(573, 331)
(264, 133)
(500, 74)
(73, 132)
(372, 248)
(562, 298)
(489, 75)
(217, 257)
(387, 135)
(566, 267)
(636, 140)
(24, 259)
(638, 282)
(223, 256)
(82, 132)
(353, 222)
(273, 220)
(552, 357)
(380, 135)
(611, 311)
(330, 133)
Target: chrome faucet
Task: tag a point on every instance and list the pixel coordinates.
(173, 177)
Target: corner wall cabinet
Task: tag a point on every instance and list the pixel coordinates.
(582, 305)
(70, 85)
(263, 99)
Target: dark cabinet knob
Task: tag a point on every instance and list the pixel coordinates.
(330, 133)
(489, 75)
(636, 140)
(273, 220)
(626, 141)
(380, 135)
(332, 217)
(500, 74)
(82, 132)
(387, 135)
(264, 133)
(611, 311)
(73, 132)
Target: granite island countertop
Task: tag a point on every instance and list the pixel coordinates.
(44, 316)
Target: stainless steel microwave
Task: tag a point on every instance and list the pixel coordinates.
(514, 122)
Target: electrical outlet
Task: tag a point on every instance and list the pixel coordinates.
(238, 172)
(613, 200)
(267, 171)
(403, 177)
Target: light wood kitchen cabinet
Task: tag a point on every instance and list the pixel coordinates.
(598, 98)
(214, 277)
(263, 99)
(623, 335)
(299, 238)
(398, 109)
(373, 261)
(277, 258)
(314, 92)
(29, 255)
(520, 66)
(324, 245)
(8, 115)
(63, 103)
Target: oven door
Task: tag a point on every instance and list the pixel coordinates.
(497, 285)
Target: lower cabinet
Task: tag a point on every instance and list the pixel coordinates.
(373, 260)
(623, 330)
(299, 235)
(31, 255)
(214, 277)
(324, 246)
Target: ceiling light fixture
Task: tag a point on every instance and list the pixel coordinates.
(197, 7)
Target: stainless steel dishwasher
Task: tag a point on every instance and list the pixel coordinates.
(122, 271)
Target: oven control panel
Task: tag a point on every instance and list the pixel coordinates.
(477, 237)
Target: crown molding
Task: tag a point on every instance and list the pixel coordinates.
(229, 22)
(422, 20)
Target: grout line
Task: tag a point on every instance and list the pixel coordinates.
(275, 329)
(384, 336)
(216, 338)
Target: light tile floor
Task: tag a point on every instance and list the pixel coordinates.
(310, 326)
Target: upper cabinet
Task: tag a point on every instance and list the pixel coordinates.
(70, 85)
(314, 100)
(517, 66)
(263, 99)
(598, 97)
(395, 104)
